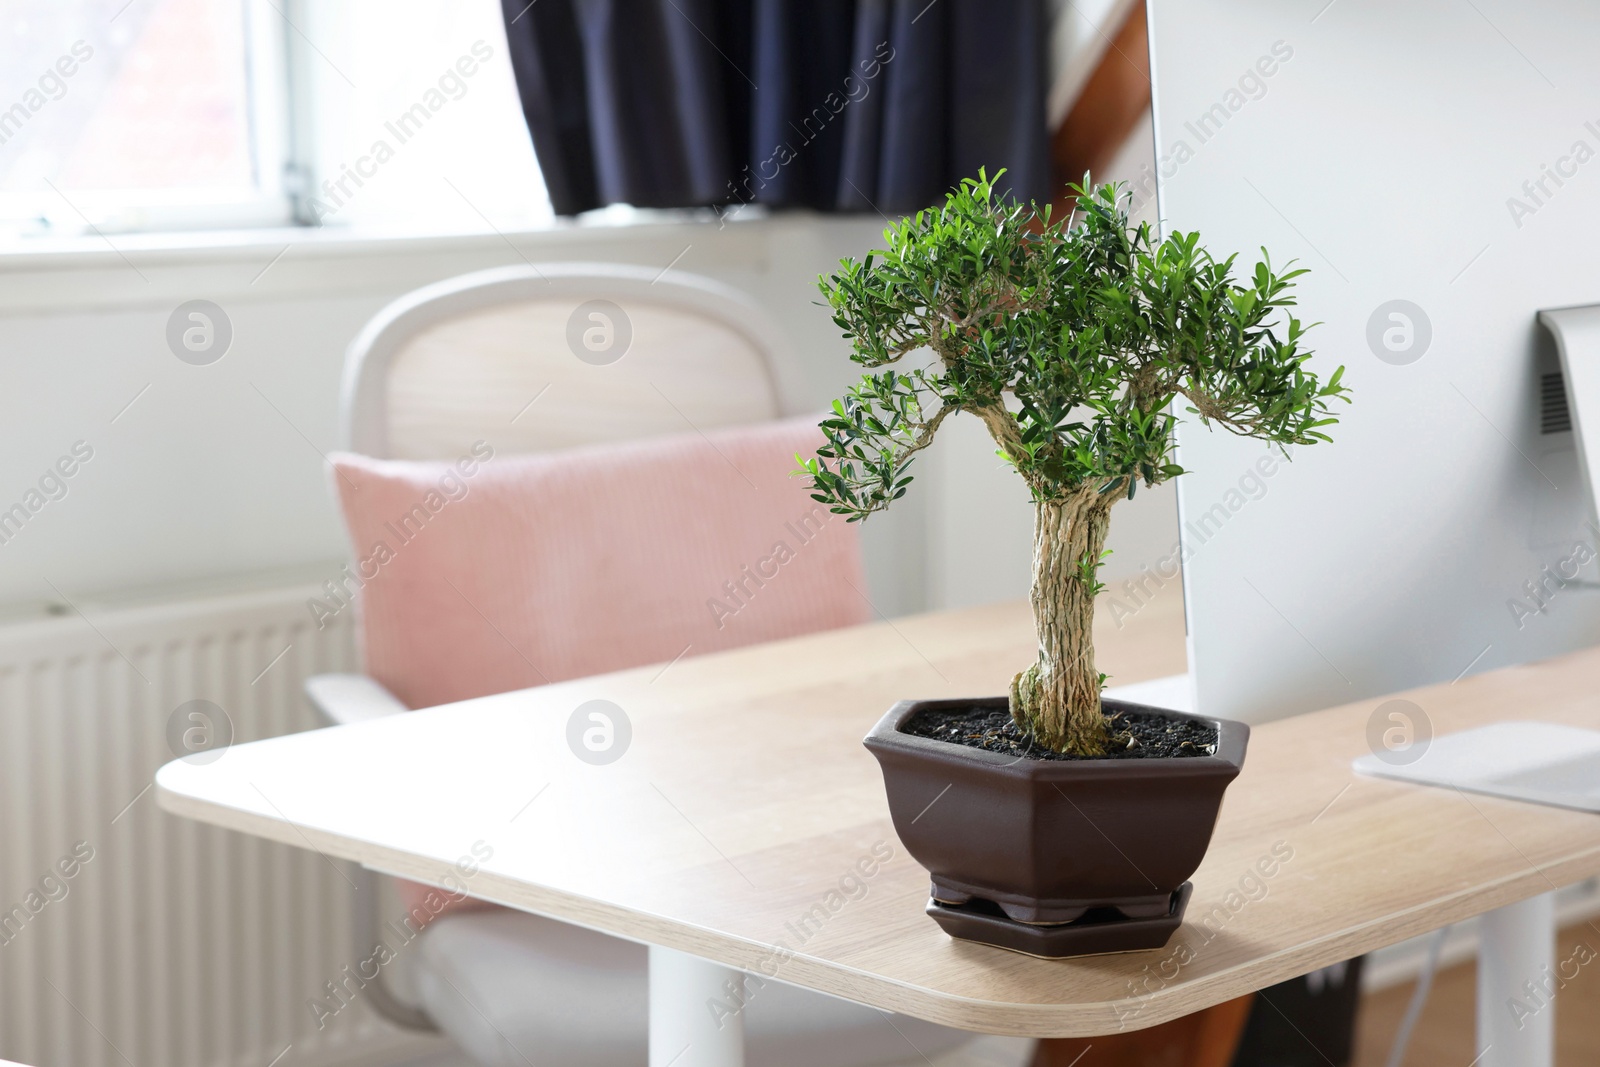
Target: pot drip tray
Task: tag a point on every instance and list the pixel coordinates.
(1102, 930)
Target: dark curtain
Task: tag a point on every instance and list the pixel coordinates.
(838, 105)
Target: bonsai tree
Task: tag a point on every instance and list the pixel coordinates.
(1071, 340)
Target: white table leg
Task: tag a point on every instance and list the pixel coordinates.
(1516, 964)
(686, 1030)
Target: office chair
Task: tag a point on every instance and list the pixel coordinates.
(542, 360)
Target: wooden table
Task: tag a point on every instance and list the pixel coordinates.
(746, 826)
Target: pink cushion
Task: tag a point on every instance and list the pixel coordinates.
(502, 572)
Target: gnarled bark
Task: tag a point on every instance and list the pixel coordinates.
(1058, 699)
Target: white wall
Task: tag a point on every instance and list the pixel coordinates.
(214, 474)
(217, 470)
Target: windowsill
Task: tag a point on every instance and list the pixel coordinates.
(177, 246)
(144, 270)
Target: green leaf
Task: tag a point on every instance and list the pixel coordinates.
(1077, 338)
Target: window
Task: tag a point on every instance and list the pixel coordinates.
(145, 115)
(134, 115)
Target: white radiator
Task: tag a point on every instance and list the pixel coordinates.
(170, 944)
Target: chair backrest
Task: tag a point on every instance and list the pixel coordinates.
(539, 358)
(497, 362)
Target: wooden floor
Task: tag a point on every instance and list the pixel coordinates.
(1444, 1034)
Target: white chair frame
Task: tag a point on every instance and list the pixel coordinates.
(363, 403)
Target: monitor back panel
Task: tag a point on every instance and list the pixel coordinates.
(1437, 167)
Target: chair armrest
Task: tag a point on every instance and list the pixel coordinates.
(342, 699)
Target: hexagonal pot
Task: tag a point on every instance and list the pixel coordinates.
(1052, 842)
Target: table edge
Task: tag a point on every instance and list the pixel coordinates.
(1169, 1002)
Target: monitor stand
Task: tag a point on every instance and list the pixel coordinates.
(1539, 762)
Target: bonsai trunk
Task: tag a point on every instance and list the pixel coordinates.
(1058, 699)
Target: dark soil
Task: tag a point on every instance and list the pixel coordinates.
(1134, 734)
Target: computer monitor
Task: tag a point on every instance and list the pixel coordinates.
(1437, 166)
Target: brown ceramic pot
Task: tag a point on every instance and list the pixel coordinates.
(1050, 841)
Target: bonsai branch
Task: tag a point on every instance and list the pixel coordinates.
(1094, 327)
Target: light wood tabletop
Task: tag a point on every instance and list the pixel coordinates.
(746, 824)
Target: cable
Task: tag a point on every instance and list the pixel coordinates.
(1397, 1053)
